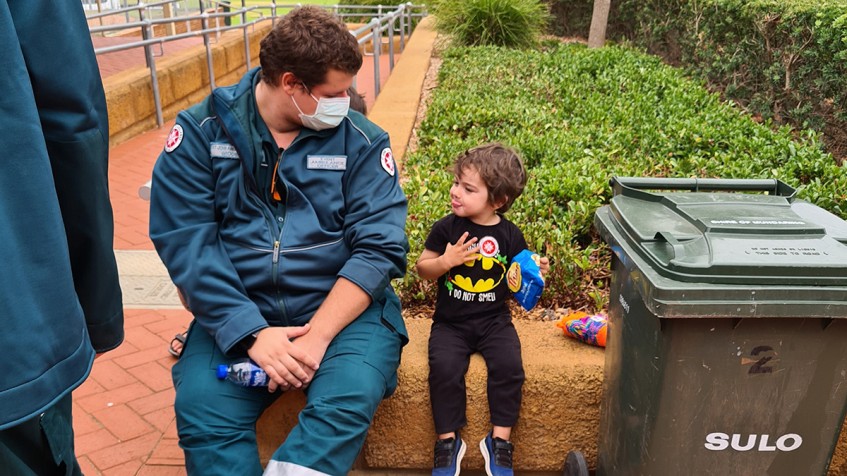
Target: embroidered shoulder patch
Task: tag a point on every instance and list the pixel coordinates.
(386, 158)
(174, 138)
(223, 150)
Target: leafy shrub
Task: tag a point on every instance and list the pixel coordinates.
(579, 116)
(784, 60)
(512, 23)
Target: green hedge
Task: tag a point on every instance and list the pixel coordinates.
(781, 59)
(579, 116)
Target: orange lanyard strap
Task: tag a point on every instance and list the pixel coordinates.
(274, 192)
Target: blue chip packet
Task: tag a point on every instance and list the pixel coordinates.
(524, 279)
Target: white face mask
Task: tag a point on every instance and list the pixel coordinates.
(329, 113)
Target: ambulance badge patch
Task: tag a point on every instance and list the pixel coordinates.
(174, 138)
(386, 158)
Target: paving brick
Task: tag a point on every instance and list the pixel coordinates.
(153, 375)
(141, 317)
(142, 338)
(124, 452)
(141, 357)
(123, 422)
(84, 423)
(167, 452)
(87, 467)
(124, 349)
(130, 468)
(161, 419)
(171, 431)
(176, 320)
(117, 396)
(149, 470)
(118, 61)
(153, 402)
(89, 387)
(111, 376)
(121, 244)
(167, 362)
(94, 441)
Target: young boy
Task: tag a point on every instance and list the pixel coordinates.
(469, 251)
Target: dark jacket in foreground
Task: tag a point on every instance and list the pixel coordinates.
(59, 289)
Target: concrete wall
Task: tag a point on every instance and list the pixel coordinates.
(559, 412)
(183, 80)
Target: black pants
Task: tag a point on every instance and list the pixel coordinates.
(41, 446)
(450, 349)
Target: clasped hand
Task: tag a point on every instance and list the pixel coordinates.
(287, 355)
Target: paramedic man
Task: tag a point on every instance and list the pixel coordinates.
(280, 218)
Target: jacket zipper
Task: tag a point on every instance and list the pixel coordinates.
(277, 244)
(253, 192)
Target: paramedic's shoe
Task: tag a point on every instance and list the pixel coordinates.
(498, 456)
(448, 456)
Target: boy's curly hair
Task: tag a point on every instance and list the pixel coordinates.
(501, 169)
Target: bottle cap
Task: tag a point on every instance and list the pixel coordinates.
(223, 370)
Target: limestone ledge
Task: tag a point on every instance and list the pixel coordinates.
(560, 408)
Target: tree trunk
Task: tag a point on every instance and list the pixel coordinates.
(599, 20)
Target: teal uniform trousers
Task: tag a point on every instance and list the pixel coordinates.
(216, 419)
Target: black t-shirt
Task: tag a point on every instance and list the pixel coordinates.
(478, 288)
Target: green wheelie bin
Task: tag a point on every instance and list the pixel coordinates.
(727, 344)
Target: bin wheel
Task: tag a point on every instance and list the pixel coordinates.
(575, 464)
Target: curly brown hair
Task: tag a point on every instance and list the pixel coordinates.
(308, 42)
(501, 169)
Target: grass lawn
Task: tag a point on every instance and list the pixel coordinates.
(286, 6)
(262, 8)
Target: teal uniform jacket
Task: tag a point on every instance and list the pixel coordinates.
(60, 299)
(244, 261)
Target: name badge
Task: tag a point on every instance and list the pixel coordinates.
(223, 150)
(326, 162)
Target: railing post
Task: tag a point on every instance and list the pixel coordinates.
(376, 40)
(246, 34)
(403, 28)
(390, 24)
(151, 65)
(409, 21)
(209, 63)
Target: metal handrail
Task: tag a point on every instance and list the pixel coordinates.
(397, 20)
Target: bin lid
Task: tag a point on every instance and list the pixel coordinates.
(726, 236)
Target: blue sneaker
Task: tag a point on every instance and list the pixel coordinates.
(448, 456)
(498, 456)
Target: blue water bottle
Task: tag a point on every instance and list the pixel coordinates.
(243, 372)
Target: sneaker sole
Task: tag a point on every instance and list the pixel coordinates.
(462, 449)
(484, 451)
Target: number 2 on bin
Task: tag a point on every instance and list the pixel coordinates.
(759, 366)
